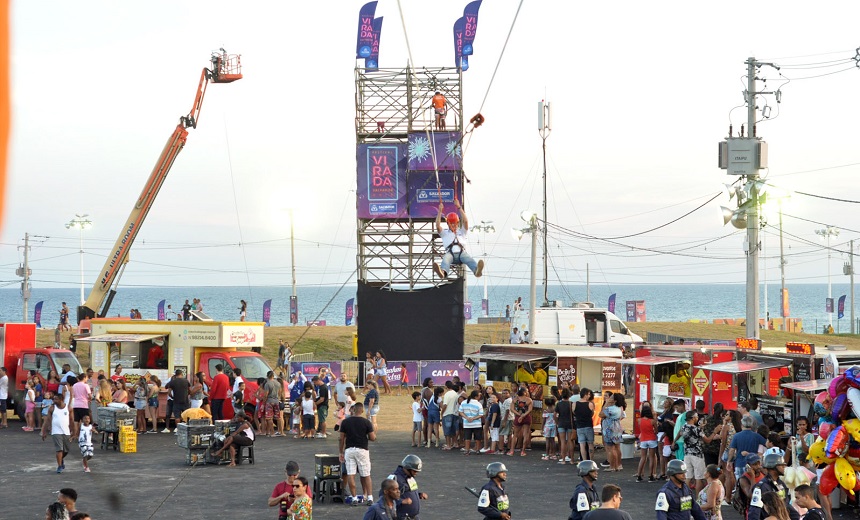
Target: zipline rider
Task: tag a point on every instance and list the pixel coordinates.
(455, 241)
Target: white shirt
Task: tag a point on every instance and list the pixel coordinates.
(417, 416)
(448, 236)
(60, 421)
(517, 337)
(238, 380)
(4, 387)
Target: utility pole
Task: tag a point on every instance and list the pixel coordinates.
(752, 330)
(544, 127)
(294, 300)
(783, 296)
(850, 267)
(533, 225)
(24, 272)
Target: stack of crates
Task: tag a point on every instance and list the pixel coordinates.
(111, 419)
(195, 440)
(127, 439)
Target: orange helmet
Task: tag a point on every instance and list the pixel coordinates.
(452, 218)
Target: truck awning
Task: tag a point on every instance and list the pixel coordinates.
(815, 385)
(505, 356)
(644, 361)
(122, 338)
(744, 366)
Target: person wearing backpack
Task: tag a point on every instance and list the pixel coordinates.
(753, 473)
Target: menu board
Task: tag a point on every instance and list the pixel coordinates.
(779, 409)
(610, 377)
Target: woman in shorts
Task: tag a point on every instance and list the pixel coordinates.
(648, 427)
(434, 415)
(583, 422)
(371, 401)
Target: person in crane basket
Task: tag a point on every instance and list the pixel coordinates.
(455, 240)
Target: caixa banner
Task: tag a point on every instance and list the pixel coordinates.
(441, 371)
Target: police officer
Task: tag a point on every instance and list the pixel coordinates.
(774, 467)
(585, 497)
(408, 506)
(493, 502)
(675, 500)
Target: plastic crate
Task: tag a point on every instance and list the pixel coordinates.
(191, 437)
(128, 445)
(111, 419)
(127, 435)
(223, 426)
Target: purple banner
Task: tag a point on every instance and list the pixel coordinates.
(294, 309)
(459, 30)
(311, 369)
(467, 310)
(631, 311)
(350, 310)
(840, 307)
(611, 306)
(424, 195)
(392, 373)
(445, 147)
(160, 311)
(372, 61)
(37, 315)
(485, 306)
(364, 41)
(441, 371)
(381, 181)
(828, 305)
(470, 15)
(267, 312)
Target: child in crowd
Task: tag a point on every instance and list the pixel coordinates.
(30, 406)
(239, 399)
(309, 408)
(404, 378)
(494, 419)
(434, 415)
(417, 417)
(549, 428)
(85, 441)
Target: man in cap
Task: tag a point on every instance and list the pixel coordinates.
(675, 500)
(585, 497)
(282, 495)
(774, 467)
(409, 504)
(455, 240)
(752, 474)
(493, 502)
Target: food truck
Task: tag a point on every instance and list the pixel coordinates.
(151, 347)
(679, 372)
(542, 367)
(767, 374)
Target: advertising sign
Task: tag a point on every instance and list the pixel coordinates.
(242, 335)
(392, 372)
(828, 305)
(381, 180)
(610, 377)
(567, 371)
(441, 371)
(441, 151)
(312, 368)
(424, 195)
(700, 382)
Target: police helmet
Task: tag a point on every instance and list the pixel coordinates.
(412, 462)
(587, 466)
(494, 468)
(675, 467)
(772, 460)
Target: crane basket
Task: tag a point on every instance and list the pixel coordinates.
(226, 68)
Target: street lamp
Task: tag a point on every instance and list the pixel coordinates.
(530, 217)
(485, 227)
(81, 222)
(825, 234)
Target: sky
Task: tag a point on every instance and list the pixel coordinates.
(641, 95)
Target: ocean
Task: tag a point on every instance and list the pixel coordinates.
(680, 302)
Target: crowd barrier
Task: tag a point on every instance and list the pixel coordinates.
(416, 371)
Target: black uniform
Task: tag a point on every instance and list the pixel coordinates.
(764, 485)
(677, 503)
(408, 489)
(493, 500)
(584, 499)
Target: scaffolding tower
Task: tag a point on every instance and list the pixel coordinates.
(391, 104)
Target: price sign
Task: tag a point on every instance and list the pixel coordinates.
(748, 343)
(794, 347)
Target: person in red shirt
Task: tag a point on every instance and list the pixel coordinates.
(155, 353)
(647, 443)
(117, 373)
(219, 392)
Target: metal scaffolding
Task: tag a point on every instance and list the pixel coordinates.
(389, 105)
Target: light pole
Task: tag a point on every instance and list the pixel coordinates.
(485, 227)
(294, 299)
(825, 234)
(81, 222)
(531, 218)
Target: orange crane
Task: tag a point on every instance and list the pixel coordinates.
(225, 68)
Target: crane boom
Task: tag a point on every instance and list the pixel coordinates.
(225, 69)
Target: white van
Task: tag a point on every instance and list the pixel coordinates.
(580, 325)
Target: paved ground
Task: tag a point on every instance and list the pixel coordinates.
(156, 483)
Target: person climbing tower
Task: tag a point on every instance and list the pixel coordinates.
(440, 107)
(455, 240)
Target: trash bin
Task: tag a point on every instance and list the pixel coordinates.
(628, 443)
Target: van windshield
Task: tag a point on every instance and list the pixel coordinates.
(252, 367)
(66, 358)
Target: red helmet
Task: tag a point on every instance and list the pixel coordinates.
(452, 219)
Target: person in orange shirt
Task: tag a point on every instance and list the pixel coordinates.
(440, 106)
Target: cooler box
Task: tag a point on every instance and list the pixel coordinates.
(194, 437)
(628, 444)
(326, 466)
(111, 419)
(223, 426)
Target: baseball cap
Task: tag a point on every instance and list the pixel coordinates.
(753, 458)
